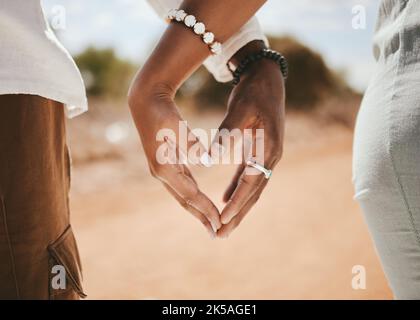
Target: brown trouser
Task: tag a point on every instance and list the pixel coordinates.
(37, 246)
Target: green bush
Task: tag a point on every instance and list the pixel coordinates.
(105, 74)
(310, 80)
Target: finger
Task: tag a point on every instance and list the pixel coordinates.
(230, 130)
(233, 184)
(189, 148)
(229, 123)
(227, 229)
(201, 217)
(250, 179)
(248, 186)
(192, 147)
(179, 178)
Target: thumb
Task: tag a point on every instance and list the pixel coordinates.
(229, 135)
(189, 147)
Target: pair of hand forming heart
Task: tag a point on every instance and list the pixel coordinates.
(257, 102)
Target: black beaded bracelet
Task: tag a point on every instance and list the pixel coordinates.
(262, 54)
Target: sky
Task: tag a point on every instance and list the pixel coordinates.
(132, 28)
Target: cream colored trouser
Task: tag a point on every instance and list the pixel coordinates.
(386, 167)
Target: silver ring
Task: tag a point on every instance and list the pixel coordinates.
(254, 164)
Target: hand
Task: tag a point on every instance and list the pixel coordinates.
(153, 110)
(257, 102)
(151, 95)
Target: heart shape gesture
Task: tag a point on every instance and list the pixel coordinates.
(257, 102)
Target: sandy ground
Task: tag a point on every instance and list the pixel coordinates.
(300, 241)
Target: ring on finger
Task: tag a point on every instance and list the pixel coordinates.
(267, 172)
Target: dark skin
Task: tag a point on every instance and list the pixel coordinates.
(258, 101)
(260, 93)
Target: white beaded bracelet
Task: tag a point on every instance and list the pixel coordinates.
(198, 27)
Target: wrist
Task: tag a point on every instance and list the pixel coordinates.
(143, 93)
(262, 57)
(263, 66)
(249, 48)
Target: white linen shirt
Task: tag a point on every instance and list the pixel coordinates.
(33, 61)
(217, 65)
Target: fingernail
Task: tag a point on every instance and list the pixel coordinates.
(226, 220)
(206, 160)
(214, 227)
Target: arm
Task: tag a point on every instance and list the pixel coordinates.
(151, 98)
(179, 44)
(217, 65)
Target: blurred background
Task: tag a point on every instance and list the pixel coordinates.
(306, 233)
